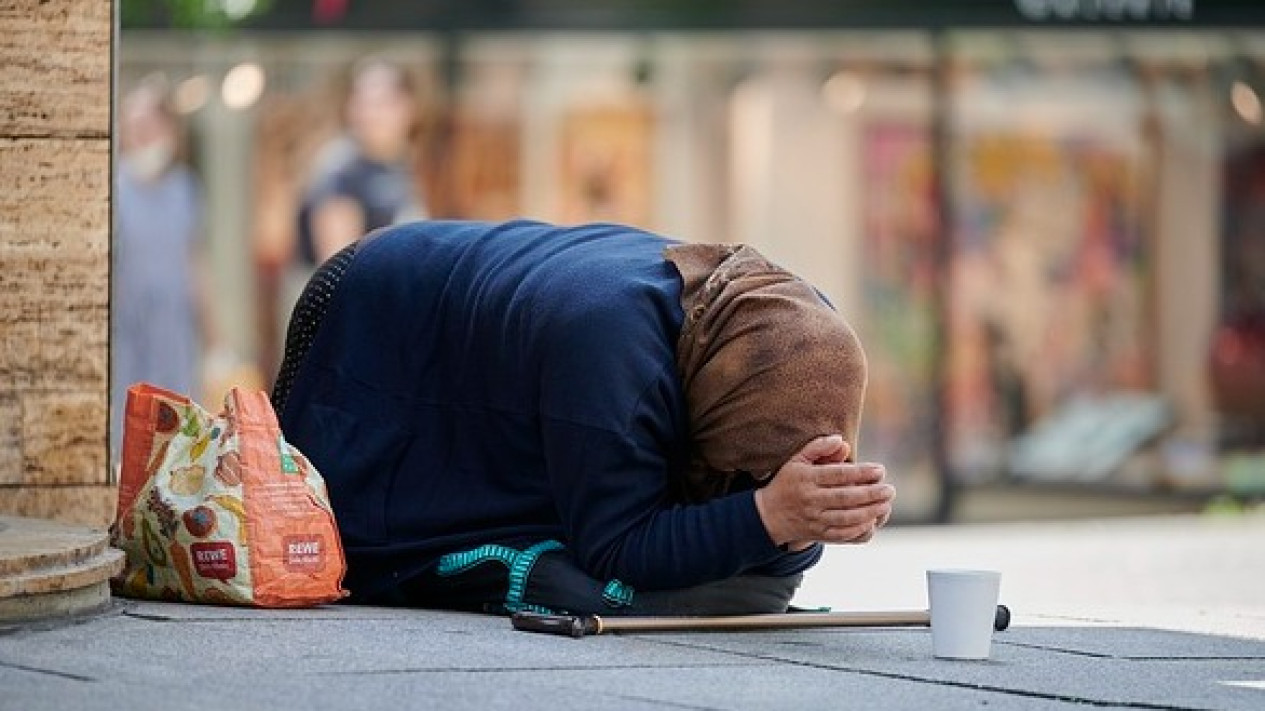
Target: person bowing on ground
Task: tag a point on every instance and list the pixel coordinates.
(594, 419)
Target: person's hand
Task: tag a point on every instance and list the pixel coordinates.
(817, 496)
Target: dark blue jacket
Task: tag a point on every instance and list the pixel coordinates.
(510, 383)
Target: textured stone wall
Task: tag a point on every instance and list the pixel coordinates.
(55, 87)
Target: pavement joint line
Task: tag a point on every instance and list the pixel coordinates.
(150, 617)
(1073, 618)
(1081, 700)
(261, 616)
(1134, 658)
(504, 670)
(46, 672)
(663, 703)
(1113, 622)
(262, 619)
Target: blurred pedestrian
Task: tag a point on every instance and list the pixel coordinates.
(364, 179)
(160, 312)
(361, 180)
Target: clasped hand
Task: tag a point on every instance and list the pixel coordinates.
(818, 496)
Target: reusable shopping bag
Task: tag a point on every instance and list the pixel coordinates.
(220, 508)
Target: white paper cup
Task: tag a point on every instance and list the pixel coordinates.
(963, 609)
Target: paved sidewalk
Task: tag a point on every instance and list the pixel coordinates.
(1164, 613)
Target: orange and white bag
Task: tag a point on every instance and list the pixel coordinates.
(220, 508)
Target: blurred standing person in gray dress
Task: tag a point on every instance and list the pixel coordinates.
(160, 311)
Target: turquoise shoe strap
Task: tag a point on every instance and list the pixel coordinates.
(518, 563)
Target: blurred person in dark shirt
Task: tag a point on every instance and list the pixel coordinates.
(364, 179)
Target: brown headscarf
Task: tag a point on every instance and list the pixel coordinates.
(767, 365)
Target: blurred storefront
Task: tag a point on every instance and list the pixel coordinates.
(1047, 219)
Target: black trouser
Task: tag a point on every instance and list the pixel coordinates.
(556, 584)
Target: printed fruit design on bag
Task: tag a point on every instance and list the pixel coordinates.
(229, 469)
(200, 521)
(187, 474)
(188, 480)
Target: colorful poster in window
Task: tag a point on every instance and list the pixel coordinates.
(606, 162)
(1237, 357)
(1048, 285)
(898, 286)
(484, 170)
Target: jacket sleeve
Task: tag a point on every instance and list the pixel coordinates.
(611, 489)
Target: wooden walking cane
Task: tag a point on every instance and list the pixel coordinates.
(580, 625)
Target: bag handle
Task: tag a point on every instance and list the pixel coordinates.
(253, 407)
(140, 423)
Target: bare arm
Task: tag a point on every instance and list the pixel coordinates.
(336, 222)
(203, 299)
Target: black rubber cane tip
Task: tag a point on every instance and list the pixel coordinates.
(1002, 621)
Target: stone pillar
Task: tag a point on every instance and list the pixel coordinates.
(55, 118)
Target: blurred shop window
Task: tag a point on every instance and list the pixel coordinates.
(1237, 353)
(473, 156)
(289, 130)
(898, 282)
(1049, 280)
(606, 165)
(481, 181)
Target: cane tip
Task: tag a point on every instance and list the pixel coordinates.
(1002, 620)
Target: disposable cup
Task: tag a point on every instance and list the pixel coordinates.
(963, 608)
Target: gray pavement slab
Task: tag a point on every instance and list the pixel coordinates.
(153, 655)
(1191, 677)
(421, 641)
(1193, 639)
(266, 689)
(1116, 642)
(755, 689)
